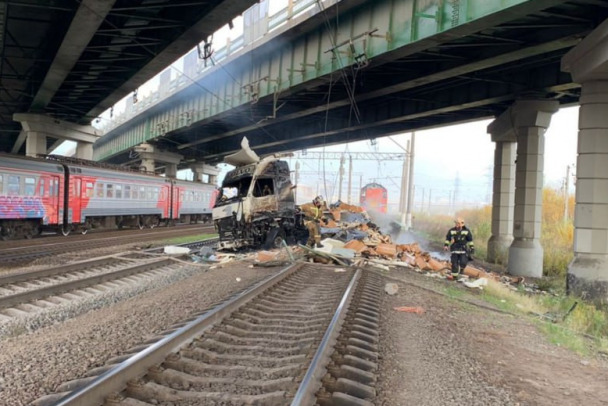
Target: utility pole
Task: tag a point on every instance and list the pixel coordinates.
(430, 192)
(410, 184)
(422, 201)
(404, 186)
(296, 179)
(340, 177)
(566, 191)
(350, 178)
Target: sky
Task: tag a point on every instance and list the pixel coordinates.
(464, 152)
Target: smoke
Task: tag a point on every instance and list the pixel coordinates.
(390, 223)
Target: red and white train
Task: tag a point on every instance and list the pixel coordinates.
(39, 194)
(374, 197)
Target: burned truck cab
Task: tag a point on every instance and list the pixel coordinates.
(256, 206)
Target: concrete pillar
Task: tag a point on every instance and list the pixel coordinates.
(35, 143)
(171, 171)
(588, 64)
(201, 169)
(150, 155)
(530, 120)
(84, 150)
(38, 127)
(197, 176)
(148, 164)
(503, 196)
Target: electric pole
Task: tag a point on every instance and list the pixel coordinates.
(566, 190)
(350, 178)
(410, 185)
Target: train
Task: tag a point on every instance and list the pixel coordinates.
(61, 194)
(374, 197)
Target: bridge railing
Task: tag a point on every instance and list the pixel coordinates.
(195, 66)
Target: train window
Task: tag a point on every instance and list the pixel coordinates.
(109, 190)
(119, 191)
(155, 193)
(142, 192)
(30, 186)
(135, 194)
(54, 187)
(89, 189)
(127, 192)
(149, 193)
(99, 188)
(77, 187)
(41, 187)
(13, 185)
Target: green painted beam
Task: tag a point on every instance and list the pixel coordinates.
(377, 31)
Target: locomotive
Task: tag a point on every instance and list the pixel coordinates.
(64, 195)
(374, 197)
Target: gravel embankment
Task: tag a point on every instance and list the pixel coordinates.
(35, 363)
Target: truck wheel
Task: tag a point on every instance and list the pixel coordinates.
(275, 238)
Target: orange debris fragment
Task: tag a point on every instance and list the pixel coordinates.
(356, 245)
(410, 309)
(388, 250)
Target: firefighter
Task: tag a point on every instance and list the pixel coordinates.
(313, 215)
(459, 241)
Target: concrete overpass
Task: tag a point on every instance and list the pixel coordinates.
(63, 63)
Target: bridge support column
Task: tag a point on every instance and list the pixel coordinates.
(35, 143)
(84, 150)
(171, 171)
(530, 120)
(38, 127)
(199, 169)
(503, 195)
(588, 271)
(150, 155)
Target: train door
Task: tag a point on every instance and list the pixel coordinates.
(54, 200)
(177, 196)
(75, 200)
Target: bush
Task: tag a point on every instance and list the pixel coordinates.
(557, 234)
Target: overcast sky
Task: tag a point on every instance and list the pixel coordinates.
(464, 151)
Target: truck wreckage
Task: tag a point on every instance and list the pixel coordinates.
(256, 204)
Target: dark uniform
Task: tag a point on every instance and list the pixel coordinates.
(459, 239)
(313, 215)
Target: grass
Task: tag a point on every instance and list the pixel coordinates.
(583, 329)
(189, 239)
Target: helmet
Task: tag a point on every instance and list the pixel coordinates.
(318, 200)
(460, 221)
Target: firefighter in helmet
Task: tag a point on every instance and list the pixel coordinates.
(313, 216)
(459, 241)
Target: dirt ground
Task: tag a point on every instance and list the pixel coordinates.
(457, 353)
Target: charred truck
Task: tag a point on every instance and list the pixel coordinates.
(256, 205)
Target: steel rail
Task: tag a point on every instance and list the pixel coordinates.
(19, 298)
(58, 270)
(305, 396)
(115, 379)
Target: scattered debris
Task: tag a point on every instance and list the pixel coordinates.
(410, 309)
(391, 288)
(477, 284)
(175, 250)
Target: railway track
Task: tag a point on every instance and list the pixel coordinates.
(34, 249)
(306, 335)
(36, 291)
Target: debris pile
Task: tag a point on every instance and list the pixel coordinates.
(351, 238)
